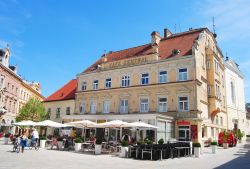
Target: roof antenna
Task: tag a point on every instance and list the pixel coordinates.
(215, 35)
(180, 27)
(175, 28)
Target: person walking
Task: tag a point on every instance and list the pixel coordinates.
(24, 140)
(35, 136)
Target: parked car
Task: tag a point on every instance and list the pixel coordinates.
(232, 140)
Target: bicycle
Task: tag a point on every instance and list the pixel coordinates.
(34, 144)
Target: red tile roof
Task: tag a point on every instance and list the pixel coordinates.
(181, 41)
(67, 92)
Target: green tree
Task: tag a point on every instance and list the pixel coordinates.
(32, 110)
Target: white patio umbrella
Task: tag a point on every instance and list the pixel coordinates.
(82, 123)
(49, 123)
(143, 125)
(114, 124)
(25, 123)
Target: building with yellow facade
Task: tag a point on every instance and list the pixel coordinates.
(175, 82)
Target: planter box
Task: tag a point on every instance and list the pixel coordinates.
(214, 149)
(78, 146)
(6, 140)
(197, 152)
(42, 143)
(124, 152)
(98, 149)
(60, 144)
(225, 145)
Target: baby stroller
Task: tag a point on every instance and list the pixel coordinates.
(16, 145)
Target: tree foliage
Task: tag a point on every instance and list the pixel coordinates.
(32, 110)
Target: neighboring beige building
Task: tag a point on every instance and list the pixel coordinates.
(62, 102)
(175, 82)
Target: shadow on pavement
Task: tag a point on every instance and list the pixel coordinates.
(241, 162)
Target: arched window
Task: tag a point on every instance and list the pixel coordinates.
(125, 81)
(232, 92)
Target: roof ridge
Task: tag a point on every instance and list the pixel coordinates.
(128, 48)
(59, 89)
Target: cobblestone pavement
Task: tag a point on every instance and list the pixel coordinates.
(232, 158)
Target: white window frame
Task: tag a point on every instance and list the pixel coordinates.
(84, 86)
(209, 90)
(95, 85)
(160, 102)
(144, 105)
(68, 111)
(93, 104)
(160, 77)
(179, 108)
(105, 109)
(182, 73)
(208, 64)
(232, 90)
(108, 82)
(123, 108)
(127, 81)
(147, 78)
(58, 112)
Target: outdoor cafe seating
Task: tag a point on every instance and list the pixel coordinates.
(160, 151)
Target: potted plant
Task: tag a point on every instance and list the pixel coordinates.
(6, 138)
(248, 138)
(239, 135)
(161, 141)
(197, 149)
(214, 146)
(140, 142)
(42, 141)
(124, 148)
(225, 139)
(78, 143)
(60, 142)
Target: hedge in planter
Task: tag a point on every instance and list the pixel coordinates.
(161, 141)
(214, 143)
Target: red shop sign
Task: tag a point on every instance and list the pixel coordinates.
(194, 131)
(183, 122)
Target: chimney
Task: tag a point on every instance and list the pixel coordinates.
(104, 58)
(167, 33)
(156, 37)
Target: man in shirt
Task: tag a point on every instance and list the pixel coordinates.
(35, 135)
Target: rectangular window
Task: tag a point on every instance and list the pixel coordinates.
(108, 83)
(106, 106)
(58, 112)
(208, 64)
(144, 105)
(183, 103)
(124, 106)
(163, 76)
(93, 107)
(183, 74)
(209, 88)
(221, 121)
(125, 81)
(216, 66)
(82, 108)
(162, 104)
(95, 84)
(67, 110)
(84, 86)
(217, 120)
(145, 79)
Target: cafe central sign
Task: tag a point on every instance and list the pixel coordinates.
(126, 63)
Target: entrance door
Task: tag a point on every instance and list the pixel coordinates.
(184, 133)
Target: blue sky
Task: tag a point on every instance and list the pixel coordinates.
(51, 41)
